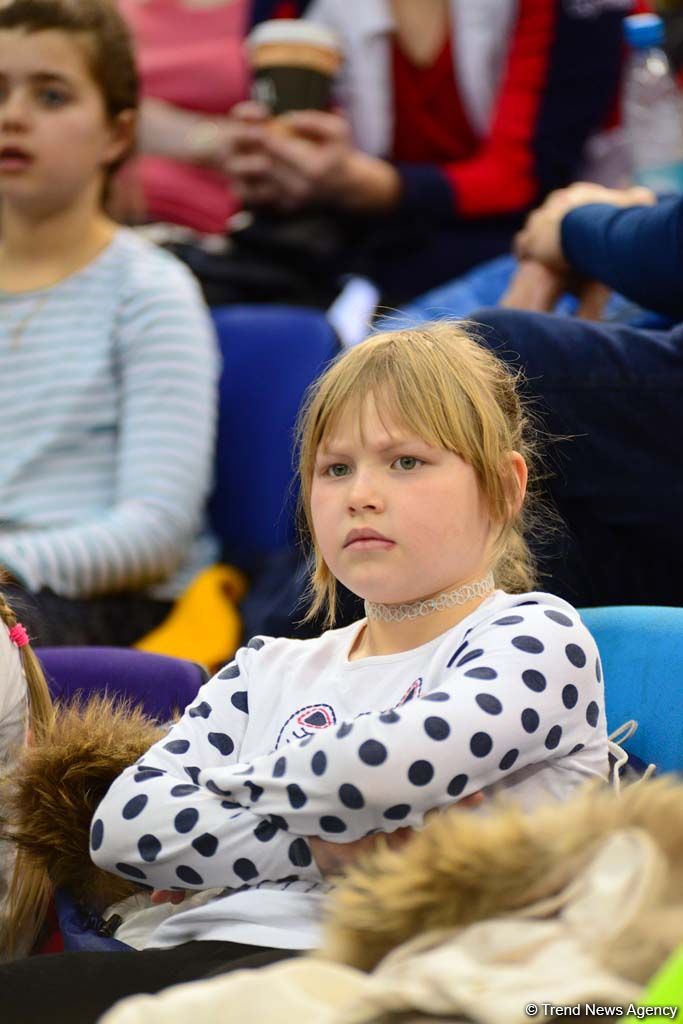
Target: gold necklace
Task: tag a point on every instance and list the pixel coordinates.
(16, 333)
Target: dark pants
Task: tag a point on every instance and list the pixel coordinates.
(77, 988)
(614, 395)
(117, 620)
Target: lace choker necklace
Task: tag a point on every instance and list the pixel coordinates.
(415, 609)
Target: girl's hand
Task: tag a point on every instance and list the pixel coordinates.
(335, 858)
(167, 896)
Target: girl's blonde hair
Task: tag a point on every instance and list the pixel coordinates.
(441, 384)
(29, 889)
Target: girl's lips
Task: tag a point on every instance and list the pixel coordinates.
(14, 161)
(369, 544)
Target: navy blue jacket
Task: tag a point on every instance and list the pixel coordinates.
(637, 251)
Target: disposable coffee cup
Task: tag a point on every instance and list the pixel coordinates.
(294, 64)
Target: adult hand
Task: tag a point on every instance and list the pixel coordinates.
(247, 162)
(534, 287)
(306, 158)
(537, 289)
(540, 239)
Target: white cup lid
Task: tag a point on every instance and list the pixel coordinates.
(293, 30)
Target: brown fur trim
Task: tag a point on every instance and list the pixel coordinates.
(465, 867)
(59, 781)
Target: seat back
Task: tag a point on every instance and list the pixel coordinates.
(641, 649)
(271, 354)
(161, 685)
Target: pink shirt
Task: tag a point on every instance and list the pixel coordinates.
(194, 59)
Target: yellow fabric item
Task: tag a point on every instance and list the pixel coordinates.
(204, 624)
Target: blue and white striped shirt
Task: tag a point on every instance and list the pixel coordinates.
(107, 421)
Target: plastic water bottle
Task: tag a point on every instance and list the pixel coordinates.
(652, 108)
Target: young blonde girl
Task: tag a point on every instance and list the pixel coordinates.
(300, 755)
(25, 708)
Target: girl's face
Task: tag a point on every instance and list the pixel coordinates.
(396, 518)
(55, 137)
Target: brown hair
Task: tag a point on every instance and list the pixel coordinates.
(439, 382)
(107, 45)
(29, 890)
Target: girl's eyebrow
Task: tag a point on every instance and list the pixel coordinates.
(49, 76)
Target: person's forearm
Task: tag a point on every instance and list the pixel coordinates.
(369, 184)
(638, 251)
(169, 131)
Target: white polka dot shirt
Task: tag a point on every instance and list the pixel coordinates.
(294, 740)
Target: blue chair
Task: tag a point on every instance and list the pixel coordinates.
(271, 354)
(641, 649)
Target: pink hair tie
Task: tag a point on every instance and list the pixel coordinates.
(18, 635)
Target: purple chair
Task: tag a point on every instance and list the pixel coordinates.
(161, 685)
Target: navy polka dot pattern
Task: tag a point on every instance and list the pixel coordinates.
(570, 696)
(149, 847)
(231, 672)
(221, 742)
(397, 813)
(530, 720)
(292, 740)
(97, 834)
(482, 672)
(576, 655)
(372, 752)
(559, 617)
(420, 773)
(351, 796)
(135, 806)
(488, 703)
(330, 823)
(202, 710)
(481, 744)
(205, 845)
(186, 819)
(240, 700)
(552, 740)
(592, 713)
(189, 875)
(437, 728)
(528, 644)
(297, 797)
(131, 871)
(508, 760)
(536, 681)
(265, 831)
(177, 746)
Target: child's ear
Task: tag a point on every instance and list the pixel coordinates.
(516, 477)
(122, 130)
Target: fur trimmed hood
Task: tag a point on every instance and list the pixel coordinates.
(467, 867)
(58, 782)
